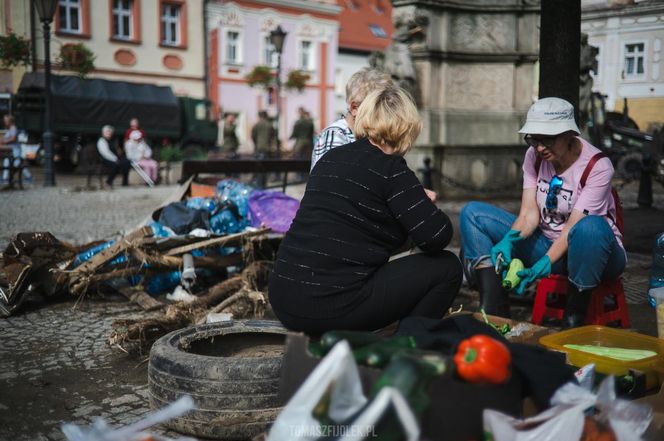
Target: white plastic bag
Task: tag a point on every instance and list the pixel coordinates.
(100, 431)
(337, 371)
(565, 420)
(337, 375)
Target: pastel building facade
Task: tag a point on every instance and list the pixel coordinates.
(145, 41)
(239, 40)
(630, 37)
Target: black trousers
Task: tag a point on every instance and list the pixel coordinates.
(420, 285)
(120, 167)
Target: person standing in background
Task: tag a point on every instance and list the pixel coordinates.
(231, 142)
(263, 136)
(303, 134)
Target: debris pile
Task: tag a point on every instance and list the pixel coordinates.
(195, 260)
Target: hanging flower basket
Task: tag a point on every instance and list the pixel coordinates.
(77, 57)
(297, 80)
(14, 50)
(260, 76)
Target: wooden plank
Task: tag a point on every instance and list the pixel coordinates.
(217, 241)
(79, 276)
(141, 298)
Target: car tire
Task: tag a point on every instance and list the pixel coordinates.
(230, 369)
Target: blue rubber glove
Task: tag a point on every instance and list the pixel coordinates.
(540, 269)
(504, 247)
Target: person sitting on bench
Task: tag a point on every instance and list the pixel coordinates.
(140, 153)
(112, 158)
(10, 140)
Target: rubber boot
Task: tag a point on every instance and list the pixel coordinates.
(493, 298)
(576, 307)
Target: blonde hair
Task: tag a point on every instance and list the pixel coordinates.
(364, 81)
(388, 116)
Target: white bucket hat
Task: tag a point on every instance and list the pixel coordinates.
(550, 116)
(135, 135)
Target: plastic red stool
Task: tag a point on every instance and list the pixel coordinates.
(551, 297)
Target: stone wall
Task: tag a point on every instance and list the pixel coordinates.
(476, 71)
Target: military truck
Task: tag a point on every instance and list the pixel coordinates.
(81, 107)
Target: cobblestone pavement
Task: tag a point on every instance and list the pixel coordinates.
(55, 365)
(77, 216)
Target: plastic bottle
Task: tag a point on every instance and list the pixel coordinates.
(657, 269)
(87, 254)
(162, 282)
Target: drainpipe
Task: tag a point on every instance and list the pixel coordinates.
(206, 77)
(33, 36)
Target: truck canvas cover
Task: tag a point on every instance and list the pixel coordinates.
(85, 105)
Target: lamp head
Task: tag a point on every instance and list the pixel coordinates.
(277, 38)
(46, 9)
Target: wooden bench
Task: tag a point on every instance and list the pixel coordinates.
(245, 165)
(6, 153)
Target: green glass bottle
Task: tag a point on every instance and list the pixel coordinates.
(355, 339)
(379, 354)
(411, 375)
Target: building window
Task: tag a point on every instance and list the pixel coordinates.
(634, 60)
(70, 16)
(377, 31)
(307, 57)
(233, 53)
(170, 24)
(269, 54)
(122, 19)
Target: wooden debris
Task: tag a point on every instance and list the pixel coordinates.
(239, 295)
(136, 335)
(229, 240)
(79, 277)
(141, 298)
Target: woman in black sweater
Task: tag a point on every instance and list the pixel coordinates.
(361, 205)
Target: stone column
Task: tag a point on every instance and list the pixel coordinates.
(476, 79)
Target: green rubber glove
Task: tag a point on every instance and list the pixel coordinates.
(504, 247)
(540, 269)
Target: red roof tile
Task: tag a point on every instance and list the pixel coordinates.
(357, 19)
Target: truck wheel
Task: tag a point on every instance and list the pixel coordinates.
(629, 166)
(230, 369)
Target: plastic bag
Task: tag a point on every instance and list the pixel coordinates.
(100, 431)
(337, 379)
(566, 419)
(236, 192)
(336, 374)
(272, 209)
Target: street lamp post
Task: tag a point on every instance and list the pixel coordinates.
(46, 10)
(277, 38)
